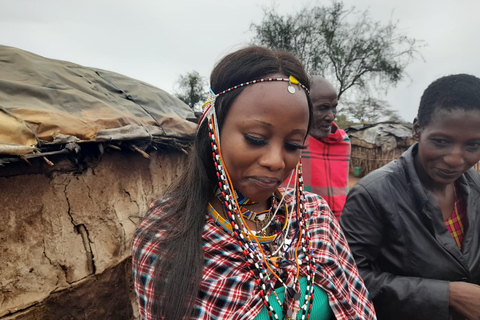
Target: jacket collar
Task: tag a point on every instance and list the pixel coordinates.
(417, 188)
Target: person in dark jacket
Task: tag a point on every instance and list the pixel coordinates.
(413, 225)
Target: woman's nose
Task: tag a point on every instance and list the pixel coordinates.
(273, 158)
(454, 158)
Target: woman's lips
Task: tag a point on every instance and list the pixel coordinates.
(448, 173)
(265, 183)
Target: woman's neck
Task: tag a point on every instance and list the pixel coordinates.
(256, 207)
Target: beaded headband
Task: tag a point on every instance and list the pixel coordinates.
(207, 106)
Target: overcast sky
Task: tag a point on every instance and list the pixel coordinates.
(156, 41)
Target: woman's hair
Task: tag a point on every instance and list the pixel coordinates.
(458, 91)
(177, 280)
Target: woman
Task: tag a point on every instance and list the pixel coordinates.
(414, 225)
(225, 243)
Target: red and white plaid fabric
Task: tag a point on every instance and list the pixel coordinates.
(228, 290)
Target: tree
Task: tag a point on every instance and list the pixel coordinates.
(369, 110)
(192, 89)
(346, 47)
(342, 121)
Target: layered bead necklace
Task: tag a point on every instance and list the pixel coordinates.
(262, 219)
(260, 264)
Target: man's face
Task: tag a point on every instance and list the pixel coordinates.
(324, 100)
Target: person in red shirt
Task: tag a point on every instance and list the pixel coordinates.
(326, 160)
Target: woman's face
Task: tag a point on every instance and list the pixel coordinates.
(262, 136)
(448, 146)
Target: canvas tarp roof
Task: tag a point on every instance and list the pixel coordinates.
(47, 102)
(387, 135)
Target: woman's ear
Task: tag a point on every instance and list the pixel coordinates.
(415, 130)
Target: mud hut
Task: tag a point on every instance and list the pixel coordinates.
(83, 152)
(375, 145)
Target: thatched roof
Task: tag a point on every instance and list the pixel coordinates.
(46, 105)
(387, 135)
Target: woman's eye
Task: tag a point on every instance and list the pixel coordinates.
(473, 146)
(294, 146)
(255, 140)
(440, 142)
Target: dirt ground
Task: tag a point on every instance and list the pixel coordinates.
(352, 180)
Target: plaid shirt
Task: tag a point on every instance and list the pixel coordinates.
(457, 222)
(325, 165)
(228, 289)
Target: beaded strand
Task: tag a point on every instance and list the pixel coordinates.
(208, 107)
(291, 79)
(252, 256)
(248, 251)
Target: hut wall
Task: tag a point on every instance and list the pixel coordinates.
(369, 159)
(66, 231)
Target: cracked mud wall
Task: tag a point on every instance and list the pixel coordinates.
(63, 230)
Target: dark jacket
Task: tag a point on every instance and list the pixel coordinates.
(401, 245)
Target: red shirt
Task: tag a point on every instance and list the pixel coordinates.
(325, 165)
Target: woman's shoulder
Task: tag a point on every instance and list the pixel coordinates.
(315, 202)
(311, 199)
(316, 207)
(393, 176)
(156, 221)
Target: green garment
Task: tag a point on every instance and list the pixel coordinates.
(320, 309)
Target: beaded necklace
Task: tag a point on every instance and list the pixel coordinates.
(228, 227)
(255, 258)
(260, 218)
